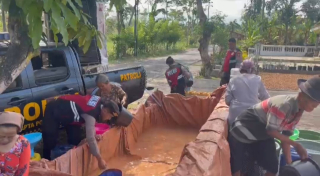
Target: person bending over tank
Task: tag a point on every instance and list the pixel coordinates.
(71, 111)
(176, 76)
(254, 130)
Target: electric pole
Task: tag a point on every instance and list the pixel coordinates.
(136, 28)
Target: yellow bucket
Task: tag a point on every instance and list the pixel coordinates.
(36, 157)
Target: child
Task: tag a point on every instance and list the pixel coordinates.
(14, 149)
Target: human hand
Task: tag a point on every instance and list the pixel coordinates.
(288, 160)
(123, 102)
(301, 151)
(102, 164)
(98, 137)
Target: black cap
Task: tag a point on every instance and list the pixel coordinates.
(112, 106)
(311, 87)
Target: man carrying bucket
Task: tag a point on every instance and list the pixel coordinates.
(70, 111)
(254, 130)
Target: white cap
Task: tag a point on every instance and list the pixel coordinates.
(234, 72)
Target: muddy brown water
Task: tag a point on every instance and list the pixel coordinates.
(156, 153)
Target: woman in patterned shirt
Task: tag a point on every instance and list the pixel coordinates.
(109, 91)
(15, 152)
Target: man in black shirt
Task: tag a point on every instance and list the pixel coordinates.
(70, 111)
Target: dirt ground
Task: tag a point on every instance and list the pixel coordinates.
(280, 81)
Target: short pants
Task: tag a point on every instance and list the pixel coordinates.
(263, 152)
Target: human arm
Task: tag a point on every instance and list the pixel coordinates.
(275, 117)
(263, 93)
(286, 142)
(122, 96)
(225, 65)
(229, 97)
(24, 160)
(287, 152)
(91, 139)
(286, 148)
(221, 69)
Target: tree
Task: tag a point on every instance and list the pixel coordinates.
(25, 30)
(234, 26)
(311, 9)
(287, 12)
(255, 8)
(207, 29)
(252, 33)
(3, 16)
(120, 9)
(176, 15)
(220, 36)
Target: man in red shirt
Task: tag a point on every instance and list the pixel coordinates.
(229, 62)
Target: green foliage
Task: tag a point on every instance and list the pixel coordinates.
(152, 36)
(311, 8)
(252, 33)
(282, 24)
(220, 34)
(71, 22)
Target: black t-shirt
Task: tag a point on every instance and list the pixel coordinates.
(70, 107)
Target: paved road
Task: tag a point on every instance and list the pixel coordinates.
(156, 67)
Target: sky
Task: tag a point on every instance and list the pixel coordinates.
(233, 9)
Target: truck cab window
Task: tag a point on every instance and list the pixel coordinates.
(50, 67)
(15, 85)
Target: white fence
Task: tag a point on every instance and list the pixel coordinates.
(283, 50)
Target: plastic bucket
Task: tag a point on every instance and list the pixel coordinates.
(60, 150)
(33, 138)
(37, 157)
(313, 149)
(309, 135)
(296, 134)
(101, 128)
(111, 172)
(301, 168)
(124, 118)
